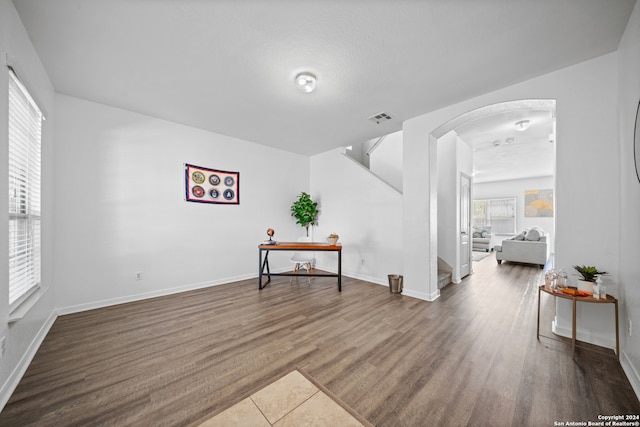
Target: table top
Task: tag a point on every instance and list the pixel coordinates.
(303, 246)
(589, 298)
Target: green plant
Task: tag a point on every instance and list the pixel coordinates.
(305, 211)
(588, 273)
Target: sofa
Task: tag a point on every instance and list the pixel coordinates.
(530, 246)
(482, 239)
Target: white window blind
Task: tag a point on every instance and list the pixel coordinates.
(25, 124)
(499, 214)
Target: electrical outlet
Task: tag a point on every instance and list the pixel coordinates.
(630, 328)
(2, 341)
(139, 275)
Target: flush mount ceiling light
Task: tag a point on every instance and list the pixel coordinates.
(522, 125)
(306, 82)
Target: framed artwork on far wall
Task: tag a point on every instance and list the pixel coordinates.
(205, 185)
(538, 203)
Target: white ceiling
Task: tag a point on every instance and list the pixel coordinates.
(228, 66)
(531, 153)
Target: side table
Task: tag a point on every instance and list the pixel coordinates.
(575, 299)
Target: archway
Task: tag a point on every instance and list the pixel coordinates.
(501, 116)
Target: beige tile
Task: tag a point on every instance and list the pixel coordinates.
(244, 413)
(281, 397)
(319, 411)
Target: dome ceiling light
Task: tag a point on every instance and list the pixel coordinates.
(306, 82)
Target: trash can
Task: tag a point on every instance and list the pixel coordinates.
(395, 283)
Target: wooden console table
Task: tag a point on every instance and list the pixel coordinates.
(575, 299)
(297, 246)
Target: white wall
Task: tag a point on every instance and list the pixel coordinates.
(588, 165)
(120, 206)
(364, 211)
(386, 160)
(454, 158)
(516, 188)
(448, 202)
(629, 211)
(24, 336)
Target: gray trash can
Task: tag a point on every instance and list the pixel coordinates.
(395, 283)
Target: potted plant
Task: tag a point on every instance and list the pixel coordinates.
(588, 274)
(305, 211)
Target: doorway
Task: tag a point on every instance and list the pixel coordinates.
(496, 139)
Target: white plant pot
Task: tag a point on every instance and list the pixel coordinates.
(584, 285)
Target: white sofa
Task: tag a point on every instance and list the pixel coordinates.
(530, 247)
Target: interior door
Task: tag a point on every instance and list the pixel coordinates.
(465, 225)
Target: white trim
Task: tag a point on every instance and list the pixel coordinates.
(366, 169)
(421, 295)
(599, 340)
(158, 293)
(18, 372)
(406, 292)
(630, 371)
(27, 301)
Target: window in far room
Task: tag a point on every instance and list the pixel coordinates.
(499, 214)
(25, 124)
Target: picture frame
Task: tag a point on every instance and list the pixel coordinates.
(206, 185)
(636, 143)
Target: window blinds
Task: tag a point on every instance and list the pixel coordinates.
(500, 214)
(25, 124)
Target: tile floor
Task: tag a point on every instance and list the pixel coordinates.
(292, 400)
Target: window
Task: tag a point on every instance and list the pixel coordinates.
(25, 124)
(499, 214)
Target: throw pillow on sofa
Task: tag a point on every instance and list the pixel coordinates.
(534, 234)
(519, 236)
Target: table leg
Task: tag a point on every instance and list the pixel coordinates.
(538, 330)
(261, 266)
(339, 271)
(617, 333)
(259, 269)
(573, 330)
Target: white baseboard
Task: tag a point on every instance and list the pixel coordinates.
(157, 293)
(631, 373)
(12, 382)
(599, 340)
(407, 292)
(421, 295)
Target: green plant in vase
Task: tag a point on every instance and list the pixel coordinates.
(588, 273)
(305, 211)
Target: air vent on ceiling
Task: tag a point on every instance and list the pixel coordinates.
(380, 117)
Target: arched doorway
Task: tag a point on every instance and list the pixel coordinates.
(508, 155)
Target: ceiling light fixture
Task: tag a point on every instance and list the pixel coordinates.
(306, 82)
(522, 125)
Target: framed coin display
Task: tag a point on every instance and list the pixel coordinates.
(206, 185)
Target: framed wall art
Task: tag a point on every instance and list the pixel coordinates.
(636, 143)
(538, 203)
(205, 185)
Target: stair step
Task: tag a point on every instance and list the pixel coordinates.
(443, 279)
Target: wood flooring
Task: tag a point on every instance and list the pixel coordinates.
(469, 358)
